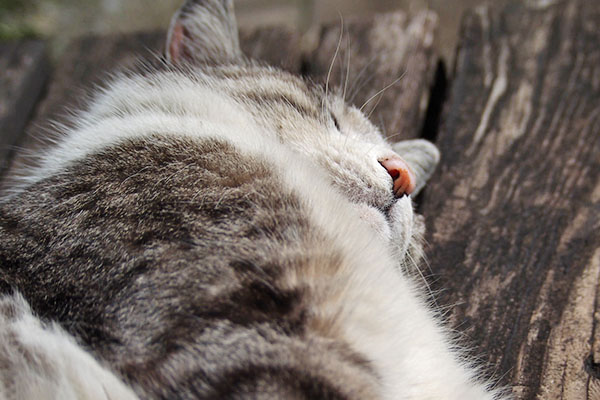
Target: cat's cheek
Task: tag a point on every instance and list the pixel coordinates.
(375, 221)
(401, 219)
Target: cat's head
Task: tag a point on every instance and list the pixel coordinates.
(312, 119)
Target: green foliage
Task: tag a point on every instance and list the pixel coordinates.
(13, 5)
(15, 31)
(12, 24)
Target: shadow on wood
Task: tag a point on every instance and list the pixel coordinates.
(24, 70)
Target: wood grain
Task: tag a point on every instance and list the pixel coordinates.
(374, 53)
(514, 210)
(24, 70)
(278, 46)
(89, 62)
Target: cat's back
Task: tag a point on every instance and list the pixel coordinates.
(151, 250)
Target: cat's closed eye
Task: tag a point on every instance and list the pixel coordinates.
(335, 122)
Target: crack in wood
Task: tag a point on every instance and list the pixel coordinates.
(592, 367)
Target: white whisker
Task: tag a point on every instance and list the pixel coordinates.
(395, 135)
(357, 85)
(347, 68)
(382, 90)
(375, 106)
(416, 266)
(382, 125)
(337, 49)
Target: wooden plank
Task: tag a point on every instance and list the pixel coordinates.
(89, 62)
(24, 70)
(514, 211)
(278, 46)
(374, 53)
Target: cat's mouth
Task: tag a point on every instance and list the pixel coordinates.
(398, 210)
(389, 209)
(392, 222)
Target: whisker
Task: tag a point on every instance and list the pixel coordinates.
(375, 106)
(395, 135)
(343, 64)
(498, 381)
(362, 85)
(337, 49)
(355, 85)
(415, 266)
(368, 150)
(382, 90)
(347, 67)
(459, 328)
(427, 264)
(382, 125)
(446, 309)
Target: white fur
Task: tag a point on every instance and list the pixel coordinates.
(43, 362)
(381, 314)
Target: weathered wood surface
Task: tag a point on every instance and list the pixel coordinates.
(24, 70)
(387, 60)
(514, 211)
(89, 62)
(278, 46)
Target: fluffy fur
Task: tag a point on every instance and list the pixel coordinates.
(219, 229)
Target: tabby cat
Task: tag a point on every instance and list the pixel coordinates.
(220, 229)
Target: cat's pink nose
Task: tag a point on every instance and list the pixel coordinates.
(404, 179)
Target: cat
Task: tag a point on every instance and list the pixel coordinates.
(217, 228)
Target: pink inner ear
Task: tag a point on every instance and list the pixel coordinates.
(176, 45)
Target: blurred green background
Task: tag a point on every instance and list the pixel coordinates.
(61, 20)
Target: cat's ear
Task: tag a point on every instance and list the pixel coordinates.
(203, 31)
(422, 156)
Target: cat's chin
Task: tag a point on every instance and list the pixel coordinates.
(377, 220)
(393, 225)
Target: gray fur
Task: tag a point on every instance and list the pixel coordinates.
(125, 253)
(220, 229)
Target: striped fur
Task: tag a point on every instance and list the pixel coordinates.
(219, 229)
